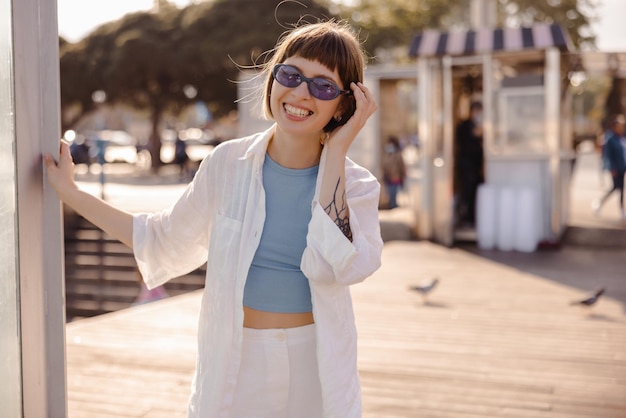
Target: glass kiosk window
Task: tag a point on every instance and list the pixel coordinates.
(521, 109)
(10, 357)
(522, 119)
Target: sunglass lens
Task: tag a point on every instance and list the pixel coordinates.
(323, 89)
(288, 76)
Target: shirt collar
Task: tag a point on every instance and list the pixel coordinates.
(258, 148)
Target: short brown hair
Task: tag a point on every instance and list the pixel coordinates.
(331, 43)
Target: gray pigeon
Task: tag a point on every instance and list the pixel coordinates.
(427, 287)
(590, 300)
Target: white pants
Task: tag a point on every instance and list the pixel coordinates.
(278, 377)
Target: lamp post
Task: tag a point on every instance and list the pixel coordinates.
(99, 97)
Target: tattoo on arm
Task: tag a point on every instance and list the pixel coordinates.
(338, 212)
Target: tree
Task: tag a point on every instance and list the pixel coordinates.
(133, 61)
(79, 80)
(220, 38)
(143, 69)
(165, 60)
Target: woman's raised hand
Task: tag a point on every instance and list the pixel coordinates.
(365, 107)
(116, 222)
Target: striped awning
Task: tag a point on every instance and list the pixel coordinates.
(432, 43)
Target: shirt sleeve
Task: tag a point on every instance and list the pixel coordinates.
(329, 256)
(174, 242)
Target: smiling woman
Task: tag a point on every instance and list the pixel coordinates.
(285, 223)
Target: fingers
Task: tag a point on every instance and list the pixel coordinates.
(65, 157)
(48, 160)
(359, 87)
(365, 104)
(365, 107)
(64, 152)
(364, 98)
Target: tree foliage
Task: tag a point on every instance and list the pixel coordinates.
(393, 23)
(162, 61)
(129, 61)
(573, 15)
(79, 79)
(220, 38)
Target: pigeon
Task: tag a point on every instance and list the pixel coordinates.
(426, 288)
(590, 300)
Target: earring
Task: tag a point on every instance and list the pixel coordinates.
(324, 138)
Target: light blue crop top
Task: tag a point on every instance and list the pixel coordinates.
(275, 282)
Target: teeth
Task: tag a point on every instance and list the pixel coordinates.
(295, 111)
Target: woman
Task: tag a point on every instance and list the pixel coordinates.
(286, 222)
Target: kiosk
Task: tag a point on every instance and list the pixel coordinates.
(521, 77)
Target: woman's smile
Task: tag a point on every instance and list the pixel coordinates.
(297, 112)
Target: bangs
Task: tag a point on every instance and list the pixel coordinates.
(326, 47)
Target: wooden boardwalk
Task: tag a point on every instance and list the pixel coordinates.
(493, 340)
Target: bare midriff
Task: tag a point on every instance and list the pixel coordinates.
(253, 318)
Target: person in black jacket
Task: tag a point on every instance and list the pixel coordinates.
(469, 163)
(614, 153)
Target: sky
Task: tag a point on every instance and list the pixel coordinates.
(78, 17)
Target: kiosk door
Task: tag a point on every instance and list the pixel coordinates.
(443, 92)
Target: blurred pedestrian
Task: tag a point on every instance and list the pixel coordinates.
(285, 223)
(394, 170)
(181, 158)
(469, 163)
(614, 155)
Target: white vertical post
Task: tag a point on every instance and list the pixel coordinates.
(425, 111)
(40, 246)
(553, 121)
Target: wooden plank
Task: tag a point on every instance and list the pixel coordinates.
(491, 341)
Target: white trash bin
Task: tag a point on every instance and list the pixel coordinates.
(526, 225)
(506, 219)
(486, 216)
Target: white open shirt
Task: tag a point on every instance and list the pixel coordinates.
(219, 220)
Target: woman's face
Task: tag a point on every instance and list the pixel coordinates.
(295, 110)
